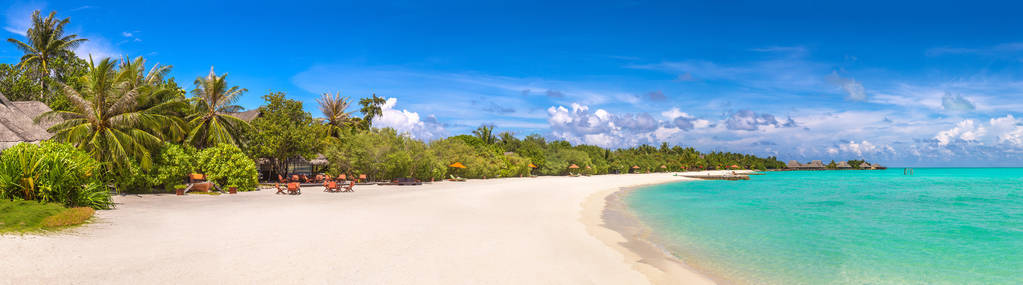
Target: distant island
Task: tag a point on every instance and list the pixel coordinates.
(841, 165)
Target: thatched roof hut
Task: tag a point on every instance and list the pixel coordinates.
(793, 164)
(319, 160)
(815, 164)
(843, 164)
(17, 125)
(864, 165)
(876, 166)
(247, 116)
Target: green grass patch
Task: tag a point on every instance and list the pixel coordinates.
(69, 217)
(32, 216)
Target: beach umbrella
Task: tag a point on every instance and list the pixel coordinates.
(573, 166)
(663, 167)
(532, 166)
(457, 165)
(635, 167)
(735, 166)
(587, 167)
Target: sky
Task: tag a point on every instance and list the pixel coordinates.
(935, 83)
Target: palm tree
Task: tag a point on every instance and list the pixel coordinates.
(153, 90)
(485, 133)
(46, 42)
(104, 119)
(371, 108)
(211, 123)
(333, 108)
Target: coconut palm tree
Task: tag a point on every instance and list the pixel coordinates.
(485, 133)
(333, 108)
(105, 121)
(154, 90)
(211, 122)
(46, 42)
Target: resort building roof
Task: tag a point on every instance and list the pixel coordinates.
(17, 122)
(247, 116)
(793, 164)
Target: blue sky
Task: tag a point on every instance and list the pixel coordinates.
(918, 83)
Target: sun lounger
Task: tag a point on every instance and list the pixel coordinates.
(349, 188)
(280, 190)
(331, 186)
(294, 188)
(456, 178)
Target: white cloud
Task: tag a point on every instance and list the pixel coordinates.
(966, 130)
(853, 89)
(1008, 130)
(99, 48)
(861, 148)
(579, 124)
(956, 103)
(18, 17)
(408, 122)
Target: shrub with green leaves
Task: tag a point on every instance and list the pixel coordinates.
(174, 164)
(226, 164)
(52, 172)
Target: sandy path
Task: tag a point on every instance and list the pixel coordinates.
(498, 231)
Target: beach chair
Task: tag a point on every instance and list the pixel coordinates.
(281, 179)
(331, 186)
(319, 178)
(342, 177)
(294, 178)
(362, 177)
(456, 178)
(280, 190)
(349, 188)
(306, 179)
(294, 188)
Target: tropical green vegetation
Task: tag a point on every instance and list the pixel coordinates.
(30, 216)
(127, 125)
(226, 164)
(51, 172)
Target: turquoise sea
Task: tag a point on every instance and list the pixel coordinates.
(939, 226)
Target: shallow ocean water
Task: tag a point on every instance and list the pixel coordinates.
(939, 226)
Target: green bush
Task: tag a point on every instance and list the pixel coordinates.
(52, 172)
(226, 164)
(131, 178)
(174, 164)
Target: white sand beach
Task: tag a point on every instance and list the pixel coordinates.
(543, 230)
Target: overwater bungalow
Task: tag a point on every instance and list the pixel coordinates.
(814, 165)
(793, 164)
(843, 165)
